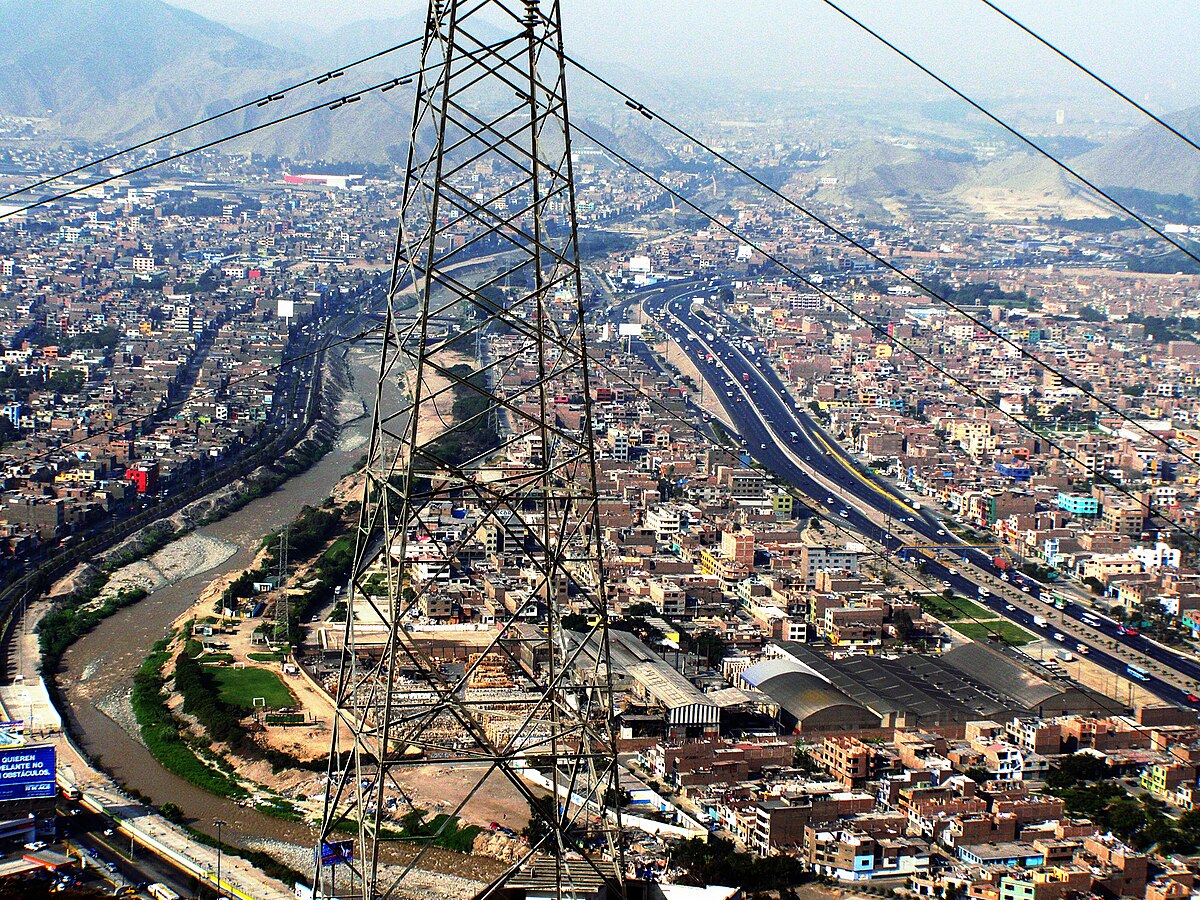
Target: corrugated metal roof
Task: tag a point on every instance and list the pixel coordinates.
(667, 686)
(802, 694)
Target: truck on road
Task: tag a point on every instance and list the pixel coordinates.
(1040, 621)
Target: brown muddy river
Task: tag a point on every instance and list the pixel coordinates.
(104, 662)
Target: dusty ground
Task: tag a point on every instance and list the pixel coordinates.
(437, 396)
(439, 788)
(1122, 690)
(669, 350)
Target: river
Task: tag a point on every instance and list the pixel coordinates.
(104, 662)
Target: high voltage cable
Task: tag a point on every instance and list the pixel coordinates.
(1097, 78)
(1037, 148)
(647, 112)
(388, 85)
(882, 331)
(880, 556)
(1102, 476)
(265, 100)
(334, 103)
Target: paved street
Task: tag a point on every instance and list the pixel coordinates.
(779, 432)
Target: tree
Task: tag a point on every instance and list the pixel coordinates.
(905, 629)
(574, 622)
(172, 812)
(710, 645)
(1076, 768)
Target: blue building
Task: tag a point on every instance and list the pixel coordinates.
(1079, 504)
(1016, 470)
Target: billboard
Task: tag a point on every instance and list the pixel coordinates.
(629, 330)
(336, 853)
(27, 773)
(286, 309)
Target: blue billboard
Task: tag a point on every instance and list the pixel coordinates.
(27, 773)
(336, 853)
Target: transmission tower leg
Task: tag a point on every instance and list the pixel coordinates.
(480, 502)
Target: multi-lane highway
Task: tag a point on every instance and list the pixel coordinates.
(779, 432)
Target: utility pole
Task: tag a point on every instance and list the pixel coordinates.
(489, 169)
(220, 823)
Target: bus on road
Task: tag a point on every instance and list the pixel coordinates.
(1135, 672)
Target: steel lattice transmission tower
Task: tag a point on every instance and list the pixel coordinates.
(502, 505)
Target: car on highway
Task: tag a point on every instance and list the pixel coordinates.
(1125, 629)
(1192, 698)
(1024, 589)
(945, 584)
(844, 514)
(1008, 607)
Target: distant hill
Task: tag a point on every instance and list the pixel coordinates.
(71, 59)
(1024, 186)
(1151, 159)
(118, 71)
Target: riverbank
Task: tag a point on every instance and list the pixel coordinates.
(203, 732)
(98, 669)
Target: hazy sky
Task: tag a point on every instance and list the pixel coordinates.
(1148, 47)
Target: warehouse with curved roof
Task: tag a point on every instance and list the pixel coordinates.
(806, 701)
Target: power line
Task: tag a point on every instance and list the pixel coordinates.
(1013, 131)
(391, 83)
(881, 557)
(1097, 78)
(332, 104)
(645, 111)
(873, 325)
(260, 102)
(882, 331)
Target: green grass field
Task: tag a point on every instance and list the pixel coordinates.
(958, 608)
(239, 687)
(1011, 632)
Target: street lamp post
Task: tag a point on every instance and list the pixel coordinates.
(220, 823)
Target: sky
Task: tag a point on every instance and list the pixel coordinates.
(1146, 47)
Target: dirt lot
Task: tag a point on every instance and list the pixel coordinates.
(439, 788)
(1123, 691)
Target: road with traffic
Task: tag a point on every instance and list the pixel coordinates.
(777, 430)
